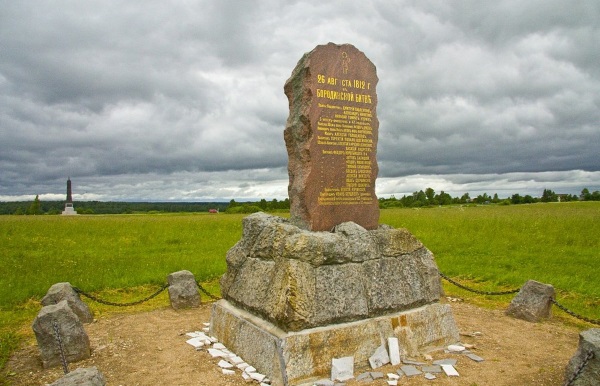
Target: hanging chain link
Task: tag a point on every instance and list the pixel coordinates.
(579, 370)
(63, 358)
(92, 297)
(204, 291)
(565, 309)
(478, 291)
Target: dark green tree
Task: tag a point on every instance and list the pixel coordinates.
(35, 207)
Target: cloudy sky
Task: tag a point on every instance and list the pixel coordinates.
(183, 100)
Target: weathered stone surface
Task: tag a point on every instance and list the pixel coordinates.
(331, 139)
(299, 279)
(183, 290)
(394, 349)
(342, 369)
(533, 302)
(306, 355)
(83, 376)
(76, 344)
(64, 291)
(589, 341)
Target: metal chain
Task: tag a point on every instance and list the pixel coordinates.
(63, 359)
(213, 297)
(565, 309)
(477, 291)
(579, 370)
(92, 297)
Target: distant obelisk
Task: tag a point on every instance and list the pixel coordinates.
(69, 210)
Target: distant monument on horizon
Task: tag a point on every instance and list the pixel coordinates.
(69, 210)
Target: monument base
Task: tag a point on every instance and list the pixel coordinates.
(69, 210)
(301, 357)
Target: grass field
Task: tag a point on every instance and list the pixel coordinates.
(125, 257)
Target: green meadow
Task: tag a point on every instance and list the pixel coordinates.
(126, 257)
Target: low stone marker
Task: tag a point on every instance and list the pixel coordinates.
(183, 290)
(533, 302)
(588, 352)
(64, 291)
(88, 376)
(75, 342)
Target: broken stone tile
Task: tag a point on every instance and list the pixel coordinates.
(246, 376)
(364, 377)
(324, 382)
(475, 357)
(206, 324)
(447, 361)
(450, 370)
(206, 329)
(394, 349)
(410, 370)
(213, 339)
(236, 360)
(379, 358)
(411, 362)
(393, 376)
(227, 372)
(455, 348)
(224, 364)
(196, 342)
(216, 353)
(249, 370)
(257, 376)
(376, 374)
(342, 369)
(219, 346)
(392, 382)
(430, 376)
(242, 366)
(263, 383)
(432, 369)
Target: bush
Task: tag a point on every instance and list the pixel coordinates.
(243, 209)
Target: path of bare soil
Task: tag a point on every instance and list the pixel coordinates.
(149, 349)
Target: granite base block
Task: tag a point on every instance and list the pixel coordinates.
(301, 357)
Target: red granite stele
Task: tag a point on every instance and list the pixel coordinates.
(331, 139)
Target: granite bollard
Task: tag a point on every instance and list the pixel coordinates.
(183, 290)
(533, 302)
(83, 376)
(64, 291)
(589, 349)
(75, 341)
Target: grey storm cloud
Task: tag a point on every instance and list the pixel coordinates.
(184, 100)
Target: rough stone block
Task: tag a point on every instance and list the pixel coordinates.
(298, 279)
(76, 344)
(88, 376)
(589, 342)
(298, 356)
(183, 290)
(533, 302)
(64, 291)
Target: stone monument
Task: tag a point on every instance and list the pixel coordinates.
(69, 210)
(330, 282)
(331, 139)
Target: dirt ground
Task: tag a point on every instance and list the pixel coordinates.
(149, 349)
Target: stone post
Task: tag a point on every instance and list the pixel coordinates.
(533, 302)
(75, 342)
(183, 290)
(64, 291)
(88, 376)
(589, 342)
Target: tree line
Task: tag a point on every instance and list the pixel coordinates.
(430, 198)
(417, 199)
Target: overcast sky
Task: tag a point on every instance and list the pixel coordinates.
(183, 100)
